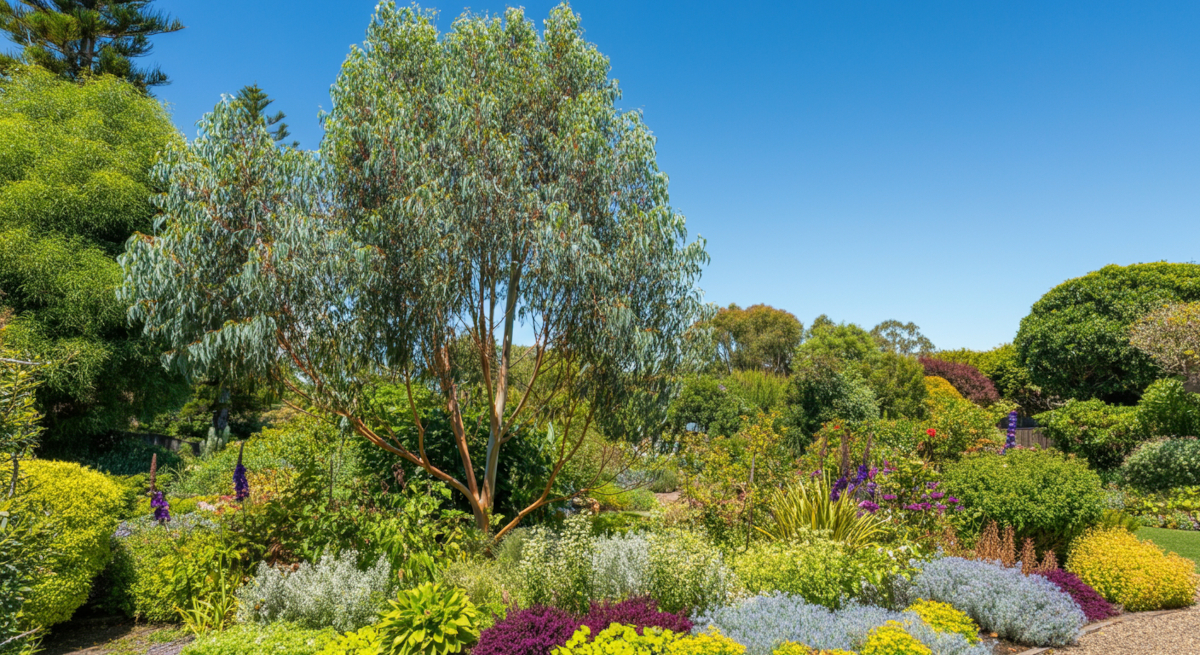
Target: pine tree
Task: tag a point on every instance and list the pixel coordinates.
(74, 38)
(254, 101)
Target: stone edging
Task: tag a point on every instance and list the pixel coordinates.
(1093, 627)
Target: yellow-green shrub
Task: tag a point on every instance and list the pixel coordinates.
(79, 509)
(619, 639)
(792, 648)
(892, 639)
(706, 643)
(940, 388)
(1133, 573)
(944, 618)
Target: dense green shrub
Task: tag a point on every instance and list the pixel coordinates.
(1075, 340)
(159, 568)
(1044, 495)
(1168, 410)
(818, 570)
(256, 639)
(1102, 433)
(1164, 464)
(898, 382)
(77, 509)
(958, 425)
(823, 389)
(706, 405)
(758, 389)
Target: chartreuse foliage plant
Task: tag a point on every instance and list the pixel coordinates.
(709, 642)
(1133, 573)
(618, 639)
(77, 509)
(75, 182)
(892, 639)
(816, 569)
(944, 618)
(454, 203)
(280, 638)
(431, 619)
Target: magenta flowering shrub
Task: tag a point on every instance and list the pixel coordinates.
(639, 612)
(966, 379)
(538, 630)
(1094, 607)
(533, 631)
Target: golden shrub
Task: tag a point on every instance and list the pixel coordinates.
(1135, 574)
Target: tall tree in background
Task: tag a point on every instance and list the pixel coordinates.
(75, 38)
(759, 337)
(470, 188)
(254, 101)
(74, 184)
(902, 338)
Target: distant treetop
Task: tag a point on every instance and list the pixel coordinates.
(76, 38)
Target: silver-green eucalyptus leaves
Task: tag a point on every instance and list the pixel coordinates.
(475, 190)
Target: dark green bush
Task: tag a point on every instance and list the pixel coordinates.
(1044, 495)
(823, 389)
(706, 405)
(1164, 464)
(1102, 433)
(1075, 340)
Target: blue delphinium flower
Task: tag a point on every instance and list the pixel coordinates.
(1011, 441)
(241, 486)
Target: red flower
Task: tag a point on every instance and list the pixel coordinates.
(931, 432)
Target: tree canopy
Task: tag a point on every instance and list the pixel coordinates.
(759, 337)
(254, 101)
(74, 184)
(470, 186)
(1075, 340)
(902, 338)
(1170, 335)
(77, 38)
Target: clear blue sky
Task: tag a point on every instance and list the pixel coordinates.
(938, 162)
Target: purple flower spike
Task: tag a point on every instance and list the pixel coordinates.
(241, 486)
(162, 508)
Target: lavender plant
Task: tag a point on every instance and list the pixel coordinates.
(762, 623)
(1029, 610)
(332, 592)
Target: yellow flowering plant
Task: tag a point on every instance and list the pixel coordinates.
(892, 639)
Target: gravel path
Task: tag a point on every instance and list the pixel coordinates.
(1172, 633)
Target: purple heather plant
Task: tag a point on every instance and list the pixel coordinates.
(241, 486)
(1094, 607)
(534, 631)
(639, 612)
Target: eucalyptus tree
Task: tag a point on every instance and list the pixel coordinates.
(475, 190)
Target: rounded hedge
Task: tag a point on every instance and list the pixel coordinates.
(79, 509)
(1044, 495)
(1075, 340)
(1164, 464)
(1133, 573)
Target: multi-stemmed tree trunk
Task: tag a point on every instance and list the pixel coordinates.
(474, 191)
